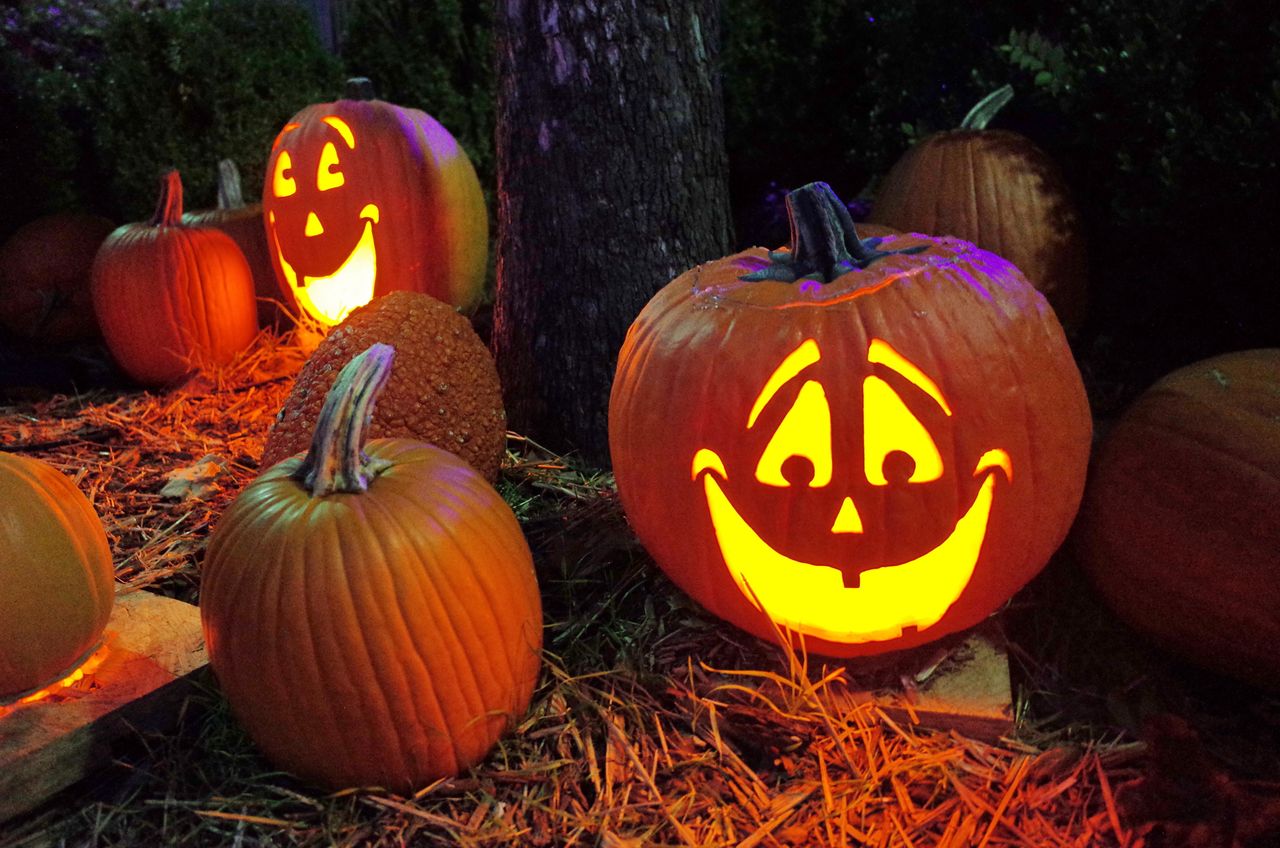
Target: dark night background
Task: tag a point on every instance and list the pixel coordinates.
(1164, 116)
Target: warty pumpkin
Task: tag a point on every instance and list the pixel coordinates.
(56, 577)
(999, 190)
(172, 298)
(444, 390)
(362, 198)
(371, 613)
(859, 446)
(1180, 527)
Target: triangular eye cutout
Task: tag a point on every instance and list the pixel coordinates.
(890, 427)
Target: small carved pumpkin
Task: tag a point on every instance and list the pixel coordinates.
(56, 578)
(172, 298)
(363, 198)
(1180, 527)
(863, 449)
(243, 222)
(371, 613)
(1000, 191)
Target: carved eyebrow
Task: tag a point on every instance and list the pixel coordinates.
(795, 362)
(882, 353)
(287, 128)
(342, 128)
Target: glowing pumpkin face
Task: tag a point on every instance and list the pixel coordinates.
(363, 198)
(836, 454)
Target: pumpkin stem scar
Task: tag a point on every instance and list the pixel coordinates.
(337, 461)
(824, 241)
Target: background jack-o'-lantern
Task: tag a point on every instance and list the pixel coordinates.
(869, 449)
(363, 198)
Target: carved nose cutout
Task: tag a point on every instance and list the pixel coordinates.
(847, 520)
(314, 228)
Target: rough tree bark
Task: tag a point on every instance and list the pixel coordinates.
(612, 179)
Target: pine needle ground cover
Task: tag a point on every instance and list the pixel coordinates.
(653, 724)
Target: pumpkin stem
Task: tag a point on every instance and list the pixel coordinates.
(358, 88)
(230, 195)
(337, 461)
(169, 206)
(824, 240)
(982, 113)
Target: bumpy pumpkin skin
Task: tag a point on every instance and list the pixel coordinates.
(444, 387)
(1180, 528)
(56, 577)
(384, 638)
(1000, 191)
(171, 298)
(44, 278)
(695, 360)
(428, 223)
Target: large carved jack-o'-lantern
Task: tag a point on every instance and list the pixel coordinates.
(863, 448)
(363, 198)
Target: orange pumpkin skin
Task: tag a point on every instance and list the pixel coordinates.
(243, 223)
(997, 189)
(393, 170)
(172, 299)
(691, 372)
(56, 572)
(44, 278)
(386, 637)
(1180, 527)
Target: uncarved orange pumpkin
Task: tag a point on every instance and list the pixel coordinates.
(362, 198)
(243, 222)
(1180, 527)
(172, 298)
(372, 615)
(44, 278)
(858, 446)
(56, 578)
(999, 190)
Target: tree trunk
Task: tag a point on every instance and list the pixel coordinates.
(612, 179)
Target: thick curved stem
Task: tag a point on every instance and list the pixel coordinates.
(986, 108)
(824, 240)
(169, 206)
(336, 461)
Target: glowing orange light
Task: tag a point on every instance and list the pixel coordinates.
(283, 185)
(90, 665)
(330, 298)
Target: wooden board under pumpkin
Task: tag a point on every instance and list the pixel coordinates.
(153, 648)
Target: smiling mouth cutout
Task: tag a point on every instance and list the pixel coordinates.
(331, 297)
(813, 600)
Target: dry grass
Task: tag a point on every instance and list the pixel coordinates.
(652, 725)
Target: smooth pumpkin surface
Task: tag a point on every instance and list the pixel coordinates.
(999, 190)
(243, 223)
(1180, 528)
(868, 445)
(372, 616)
(171, 298)
(56, 573)
(45, 270)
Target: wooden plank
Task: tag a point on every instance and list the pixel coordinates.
(962, 686)
(153, 647)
